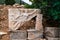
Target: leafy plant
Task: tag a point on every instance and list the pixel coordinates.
(53, 12)
(9, 2)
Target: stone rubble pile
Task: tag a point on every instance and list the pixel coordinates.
(31, 27)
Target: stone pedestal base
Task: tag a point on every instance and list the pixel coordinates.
(34, 34)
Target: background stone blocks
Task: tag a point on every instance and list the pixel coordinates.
(51, 38)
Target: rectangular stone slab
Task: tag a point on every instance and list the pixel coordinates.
(37, 39)
(34, 34)
(19, 39)
(39, 25)
(51, 38)
(52, 32)
(17, 17)
(18, 34)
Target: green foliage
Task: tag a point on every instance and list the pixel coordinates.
(28, 6)
(50, 9)
(1, 1)
(9, 2)
(54, 12)
(37, 4)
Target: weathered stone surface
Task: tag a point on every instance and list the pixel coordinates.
(37, 39)
(52, 32)
(5, 37)
(17, 17)
(19, 34)
(18, 39)
(34, 34)
(51, 38)
(39, 25)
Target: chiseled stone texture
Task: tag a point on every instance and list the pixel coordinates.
(17, 17)
(34, 34)
(52, 32)
(19, 39)
(37, 39)
(19, 34)
(39, 25)
(51, 38)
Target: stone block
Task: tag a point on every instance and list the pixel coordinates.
(19, 34)
(51, 38)
(33, 34)
(52, 32)
(39, 25)
(37, 39)
(18, 17)
(18, 39)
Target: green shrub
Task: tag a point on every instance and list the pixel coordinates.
(9, 2)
